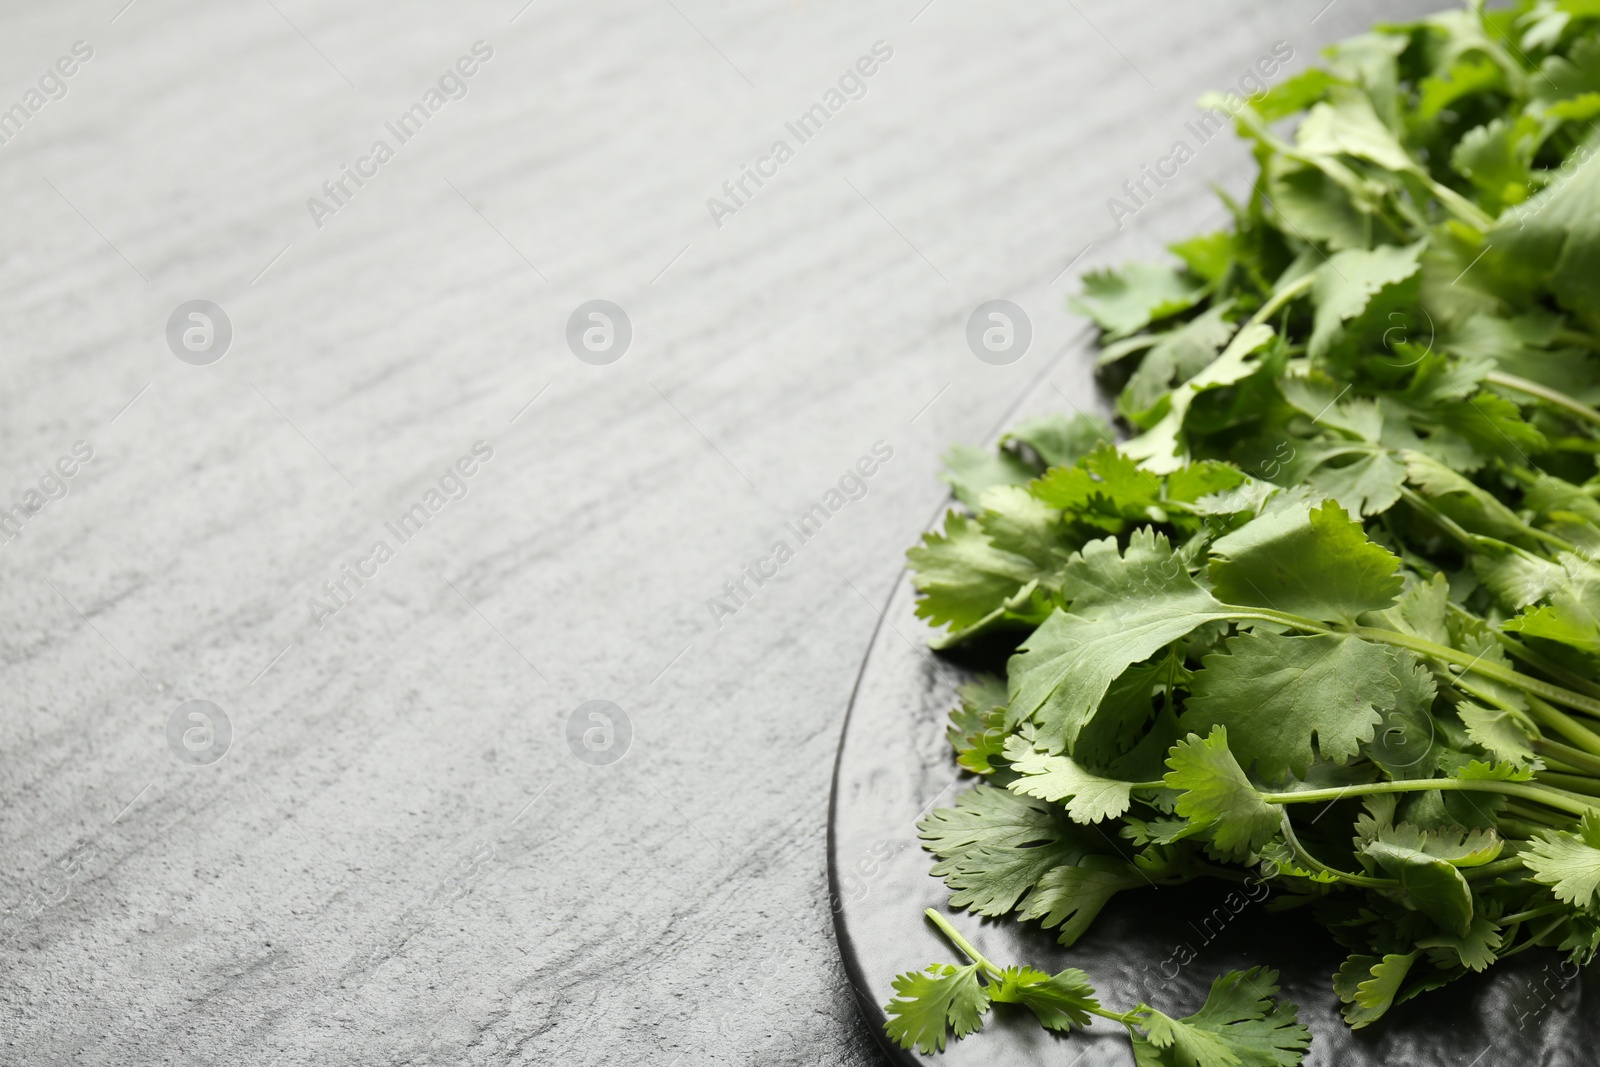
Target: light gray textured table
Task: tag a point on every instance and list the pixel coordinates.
(399, 857)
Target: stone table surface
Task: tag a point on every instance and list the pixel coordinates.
(396, 831)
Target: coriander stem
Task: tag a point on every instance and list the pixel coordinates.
(1521, 809)
(1531, 913)
(1282, 297)
(1577, 701)
(1572, 783)
(1586, 762)
(1522, 790)
(1509, 865)
(1545, 393)
(962, 943)
(1565, 725)
(1531, 685)
(1305, 856)
(1518, 650)
(987, 966)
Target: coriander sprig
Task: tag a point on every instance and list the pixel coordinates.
(1239, 1023)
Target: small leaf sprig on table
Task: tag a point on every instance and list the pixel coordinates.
(1329, 615)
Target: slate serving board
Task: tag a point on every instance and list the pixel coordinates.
(1162, 944)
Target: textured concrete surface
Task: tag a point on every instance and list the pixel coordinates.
(407, 844)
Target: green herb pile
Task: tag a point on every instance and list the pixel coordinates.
(1329, 614)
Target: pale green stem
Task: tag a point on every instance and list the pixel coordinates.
(1521, 790)
(1550, 396)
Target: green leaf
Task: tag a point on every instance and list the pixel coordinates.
(1348, 125)
(1348, 282)
(962, 576)
(1368, 484)
(1070, 897)
(1159, 447)
(1128, 299)
(1571, 614)
(1497, 158)
(969, 470)
(1105, 488)
(1179, 355)
(1294, 94)
(1124, 608)
(1505, 735)
(1239, 1026)
(1289, 701)
(1478, 771)
(1432, 885)
(994, 846)
(1058, 439)
(1089, 797)
(1368, 985)
(1474, 950)
(1217, 798)
(1467, 504)
(1554, 239)
(931, 1003)
(1569, 863)
(1062, 1001)
(1016, 522)
(1314, 562)
(977, 725)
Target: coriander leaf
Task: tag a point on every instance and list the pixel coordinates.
(929, 1002)
(1420, 611)
(1323, 400)
(1105, 488)
(1217, 798)
(1061, 1002)
(1089, 797)
(1368, 985)
(1071, 896)
(994, 846)
(1059, 440)
(1239, 1026)
(1349, 281)
(1349, 126)
(1478, 771)
(1569, 863)
(1367, 484)
(1123, 608)
(969, 470)
(1553, 239)
(1474, 950)
(1516, 577)
(1294, 95)
(1314, 562)
(1178, 356)
(1315, 207)
(1467, 504)
(1571, 615)
(1505, 735)
(977, 725)
(1016, 522)
(1194, 481)
(1126, 300)
(1430, 884)
(962, 576)
(1158, 447)
(1123, 713)
(1288, 701)
(1497, 158)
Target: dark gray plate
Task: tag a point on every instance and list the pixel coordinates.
(1161, 944)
